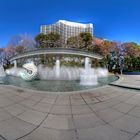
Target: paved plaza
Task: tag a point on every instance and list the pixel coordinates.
(129, 81)
(106, 113)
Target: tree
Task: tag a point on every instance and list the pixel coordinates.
(132, 56)
(53, 40)
(81, 41)
(5, 55)
(75, 42)
(41, 40)
(109, 50)
(103, 48)
(9, 51)
(49, 40)
(87, 39)
(20, 49)
(132, 49)
(24, 40)
(1, 56)
(53, 37)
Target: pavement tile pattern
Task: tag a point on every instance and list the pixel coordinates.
(107, 113)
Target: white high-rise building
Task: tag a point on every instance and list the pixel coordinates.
(66, 29)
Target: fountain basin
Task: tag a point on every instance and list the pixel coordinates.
(56, 85)
(88, 80)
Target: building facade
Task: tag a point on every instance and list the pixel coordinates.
(66, 29)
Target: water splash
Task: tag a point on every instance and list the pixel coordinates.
(101, 72)
(57, 68)
(88, 75)
(14, 71)
(65, 73)
(2, 72)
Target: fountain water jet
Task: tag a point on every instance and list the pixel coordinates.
(2, 72)
(102, 72)
(88, 75)
(65, 73)
(57, 68)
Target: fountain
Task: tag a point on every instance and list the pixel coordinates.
(69, 79)
(88, 75)
(30, 72)
(102, 72)
(14, 71)
(59, 73)
(2, 72)
(57, 68)
(57, 78)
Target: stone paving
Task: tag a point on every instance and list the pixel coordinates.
(129, 81)
(106, 113)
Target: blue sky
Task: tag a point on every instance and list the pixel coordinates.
(113, 19)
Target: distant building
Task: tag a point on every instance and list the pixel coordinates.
(66, 29)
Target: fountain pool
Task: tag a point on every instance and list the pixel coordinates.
(57, 78)
(56, 85)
